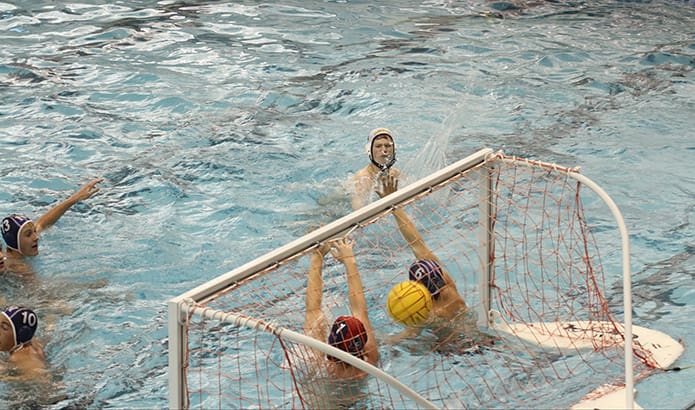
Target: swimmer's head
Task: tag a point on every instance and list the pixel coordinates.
(18, 233)
(17, 327)
(381, 148)
(429, 273)
(349, 335)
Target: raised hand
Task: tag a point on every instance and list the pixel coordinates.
(342, 249)
(323, 248)
(53, 214)
(389, 185)
(87, 190)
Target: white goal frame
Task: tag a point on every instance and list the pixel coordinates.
(180, 307)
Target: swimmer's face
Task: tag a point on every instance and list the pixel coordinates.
(29, 240)
(2, 260)
(6, 334)
(382, 149)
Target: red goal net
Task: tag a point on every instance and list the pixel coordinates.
(533, 251)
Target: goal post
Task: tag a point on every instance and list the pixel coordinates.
(627, 276)
(531, 250)
(487, 241)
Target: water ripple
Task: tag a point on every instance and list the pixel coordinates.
(224, 130)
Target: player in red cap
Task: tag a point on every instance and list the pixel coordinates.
(351, 333)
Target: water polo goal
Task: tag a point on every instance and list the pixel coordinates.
(539, 252)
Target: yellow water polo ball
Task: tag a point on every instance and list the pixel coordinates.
(409, 303)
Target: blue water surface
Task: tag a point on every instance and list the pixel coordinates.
(226, 129)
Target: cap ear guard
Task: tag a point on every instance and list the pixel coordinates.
(25, 333)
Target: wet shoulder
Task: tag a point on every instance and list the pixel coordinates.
(18, 266)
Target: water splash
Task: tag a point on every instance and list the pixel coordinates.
(432, 155)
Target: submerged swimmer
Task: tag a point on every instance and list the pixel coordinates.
(381, 149)
(21, 234)
(26, 355)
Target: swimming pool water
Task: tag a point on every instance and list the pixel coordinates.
(226, 129)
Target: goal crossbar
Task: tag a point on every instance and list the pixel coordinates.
(332, 229)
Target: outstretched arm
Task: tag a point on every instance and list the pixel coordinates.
(315, 323)
(408, 332)
(389, 185)
(410, 233)
(342, 251)
(53, 214)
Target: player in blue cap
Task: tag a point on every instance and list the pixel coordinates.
(449, 315)
(17, 328)
(21, 234)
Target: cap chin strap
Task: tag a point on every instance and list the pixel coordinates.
(384, 167)
(17, 347)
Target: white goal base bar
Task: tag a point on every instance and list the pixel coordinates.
(584, 336)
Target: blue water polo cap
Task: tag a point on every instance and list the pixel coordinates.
(24, 323)
(428, 273)
(349, 335)
(11, 226)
